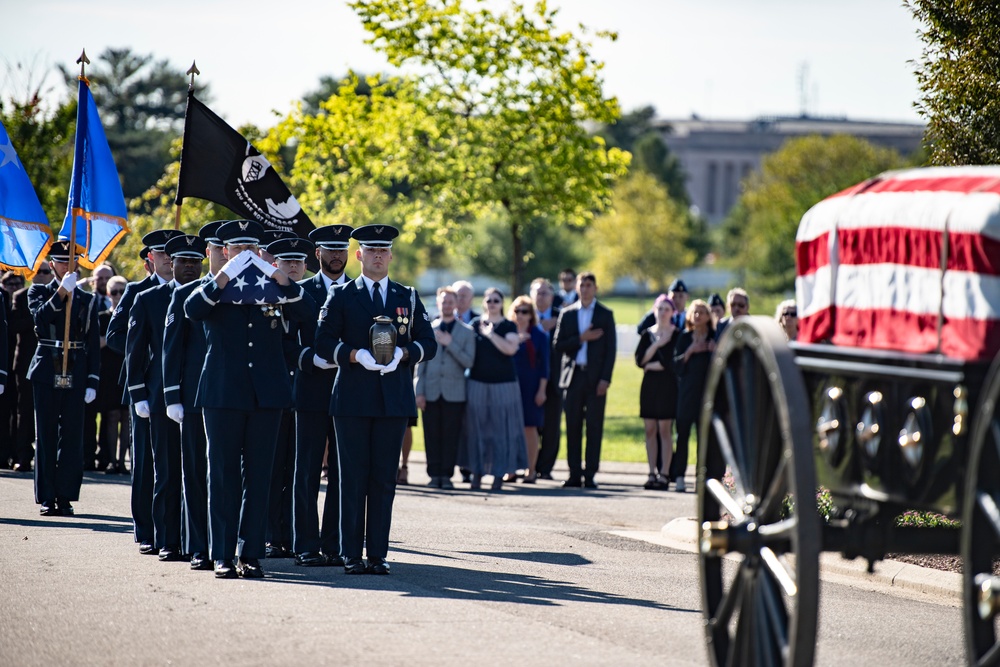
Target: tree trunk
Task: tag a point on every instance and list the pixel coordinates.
(517, 265)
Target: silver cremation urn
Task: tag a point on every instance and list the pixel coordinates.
(382, 337)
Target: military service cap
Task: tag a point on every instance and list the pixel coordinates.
(332, 237)
(291, 248)
(241, 232)
(156, 239)
(186, 245)
(375, 236)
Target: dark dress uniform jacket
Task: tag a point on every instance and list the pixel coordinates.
(244, 368)
(50, 320)
(118, 328)
(184, 349)
(345, 321)
(313, 386)
(144, 347)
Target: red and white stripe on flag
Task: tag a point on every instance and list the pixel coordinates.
(907, 261)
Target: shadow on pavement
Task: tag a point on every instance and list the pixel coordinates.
(100, 523)
(446, 582)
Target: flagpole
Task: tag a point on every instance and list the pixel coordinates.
(83, 61)
(192, 71)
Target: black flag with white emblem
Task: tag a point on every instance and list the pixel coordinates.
(220, 165)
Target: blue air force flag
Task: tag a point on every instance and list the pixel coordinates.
(24, 230)
(96, 202)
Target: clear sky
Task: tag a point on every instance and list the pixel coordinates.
(727, 59)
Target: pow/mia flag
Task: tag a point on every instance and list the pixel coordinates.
(220, 165)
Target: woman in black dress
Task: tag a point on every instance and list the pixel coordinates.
(658, 394)
(692, 355)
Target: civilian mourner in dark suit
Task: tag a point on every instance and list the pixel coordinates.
(315, 544)
(544, 296)
(371, 402)
(586, 339)
(59, 411)
(184, 351)
(244, 387)
(142, 451)
(144, 372)
(440, 390)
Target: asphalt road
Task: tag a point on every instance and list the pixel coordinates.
(532, 576)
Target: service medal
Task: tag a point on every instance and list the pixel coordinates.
(402, 329)
(274, 324)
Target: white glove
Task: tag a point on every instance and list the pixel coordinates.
(235, 265)
(88, 396)
(142, 409)
(365, 358)
(176, 412)
(267, 269)
(1, 390)
(68, 282)
(391, 366)
(320, 362)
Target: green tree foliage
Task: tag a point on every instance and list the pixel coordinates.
(484, 248)
(43, 140)
(959, 80)
(634, 132)
(648, 230)
(761, 229)
(142, 103)
(503, 97)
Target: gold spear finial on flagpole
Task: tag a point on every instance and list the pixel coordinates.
(192, 71)
(83, 61)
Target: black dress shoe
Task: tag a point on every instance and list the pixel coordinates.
(311, 559)
(64, 508)
(147, 549)
(22, 467)
(277, 551)
(249, 568)
(48, 508)
(199, 562)
(572, 483)
(170, 554)
(545, 475)
(589, 484)
(354, 566)
(224, 569)
(377, 565)
(336, 561)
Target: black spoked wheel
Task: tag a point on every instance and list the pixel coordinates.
(760, 540)
(981, 530)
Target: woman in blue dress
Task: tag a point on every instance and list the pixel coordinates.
(532, 363)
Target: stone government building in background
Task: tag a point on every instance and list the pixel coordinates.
(716, 155)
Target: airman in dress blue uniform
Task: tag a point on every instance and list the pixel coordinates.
(371, 402)
(315, 544)
(243, 388)
(184, 350)
(59, 410)
(142, 451)
(144, 372)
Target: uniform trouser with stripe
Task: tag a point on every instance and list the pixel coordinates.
(59, 452)
(194, 462)
(279, 511)
(313, 428)
(165, 438)
(369, 453)
(240, 456)
(142, 478)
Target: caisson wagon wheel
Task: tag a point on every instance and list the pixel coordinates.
(981, 530)
(760, 533)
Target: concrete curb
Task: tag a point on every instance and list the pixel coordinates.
(889, 575)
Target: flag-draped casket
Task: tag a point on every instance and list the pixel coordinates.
(907, 261)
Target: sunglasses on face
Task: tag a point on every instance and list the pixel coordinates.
(117, 292)
(45, 272)
(790, 313)
(493, 301)
(523, 311)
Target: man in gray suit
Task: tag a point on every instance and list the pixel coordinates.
(439, 389)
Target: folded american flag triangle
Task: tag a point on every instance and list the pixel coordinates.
(252, 288)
